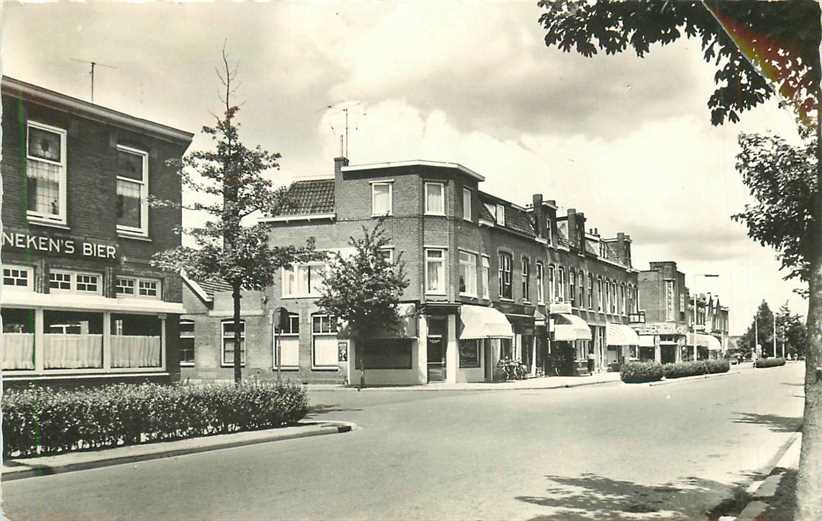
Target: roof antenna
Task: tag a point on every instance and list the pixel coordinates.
(344, 138)
(91, 72)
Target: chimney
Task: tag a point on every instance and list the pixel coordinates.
(581, 231)
(622, 245)
(339, 163)
(573, 233)
(539, 216)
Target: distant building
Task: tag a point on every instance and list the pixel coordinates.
(80, 302)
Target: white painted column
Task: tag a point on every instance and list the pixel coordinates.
(533, 348)
(107, 339)
(657, 352)
(39, 341)
(452, 351)
(422, 349)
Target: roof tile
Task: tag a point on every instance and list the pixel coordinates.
(310, 198)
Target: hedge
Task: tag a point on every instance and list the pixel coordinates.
(40, 421)
(638, 372)
(682, 369)
(769, 362)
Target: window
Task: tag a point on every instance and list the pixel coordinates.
(434, 199)
(469, 353)
(549, 231)
(486, 277)
(600, 302)
(622, 305)
(526, 294)
(19, 277)
(506, 261)
(137, 287)
(61, 280)
(572, 287)
(18, 339)
(468, 274)
(303, 280)
(136, 341)
(324, 342)
(72, 340)
(590, 292)
(132, 191)
(381, 200)
(500, 215)
(435, 271)
(561, 285)
(581, 286)
(466, 204)
(386, 353)
(540, 283)
(186, 342)
(288, 344)
(46, 173)
(228, 342)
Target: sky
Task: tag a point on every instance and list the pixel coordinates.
(628, 141)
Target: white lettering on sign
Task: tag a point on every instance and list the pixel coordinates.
(58, 245)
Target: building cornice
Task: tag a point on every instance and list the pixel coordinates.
(413, 162)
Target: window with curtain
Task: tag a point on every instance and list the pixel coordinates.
(381, 203)
(526, 282)
(18, 339)
(46, 173)
(324, 342)
(435, 198)
(468, 274)
(72, 339)
(435, 271)
(540, 283)
(466, 204)
(506, 262)
(136, 341)
(132, 191)
(486, 277)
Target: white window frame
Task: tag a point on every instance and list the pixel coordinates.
(441, 290)
(501, 274)
(572, 287)
(600, 297)
(551, 289)
(390, 251)
(314, 335)
(73, 281)
(499, 215)
(296, 267)
(429, 211)
(467, 197)
(241, 347)
(35, 216)
(540, 283)
(192, 335)
(525, 274)
(485, 273)
(28, 270)
(390, 206)
(469, 263)
(278, 355)
(561, 284)
(137, 282)
(141, 231)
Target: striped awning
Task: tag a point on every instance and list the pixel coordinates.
(620, 335)
(571, 327)
(483, 322)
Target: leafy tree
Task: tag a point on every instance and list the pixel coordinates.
(758, 48)
(231, 185)
(760, 330)
(363, 290)
(792, 331)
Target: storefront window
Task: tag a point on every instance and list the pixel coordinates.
(136, 341)
(72, 340)
(387, 353)
(18, 338)
(469, 354)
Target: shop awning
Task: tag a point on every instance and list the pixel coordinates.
(621, 335)
(73, 301)
(571, 327)
(646, 341)
(708, 341)
(483, 322)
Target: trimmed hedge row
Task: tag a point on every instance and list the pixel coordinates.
(769, 362)
(638, 372)
(40, 421)
(683, 369)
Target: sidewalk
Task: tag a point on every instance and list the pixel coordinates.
(72, 461)
(541, 382)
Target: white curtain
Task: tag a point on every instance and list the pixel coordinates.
(325, 351)
(73, 351)
(289, 351)
(18, 350)
(135, 351)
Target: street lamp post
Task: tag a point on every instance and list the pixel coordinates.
(707, 276)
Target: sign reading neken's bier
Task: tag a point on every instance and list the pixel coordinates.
(56, 245)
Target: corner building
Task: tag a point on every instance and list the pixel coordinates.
(489, 280)
(80, 302)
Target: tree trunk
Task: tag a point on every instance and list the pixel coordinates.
(809, 484)
(238, 367)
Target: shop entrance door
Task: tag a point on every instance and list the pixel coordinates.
(436, 358)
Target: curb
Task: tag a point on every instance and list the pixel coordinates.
(32, 469)
(691, 378)
(445, 388)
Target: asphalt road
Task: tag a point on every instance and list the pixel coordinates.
(613, 451)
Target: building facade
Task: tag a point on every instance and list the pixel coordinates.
(670, 330)
(489, 280)
(80, 302)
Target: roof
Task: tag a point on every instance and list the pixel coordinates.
(516, 218)
(310, 197)
(414, 162)
(14, 87)
(205, 289)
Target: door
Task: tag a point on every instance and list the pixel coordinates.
(436, 358)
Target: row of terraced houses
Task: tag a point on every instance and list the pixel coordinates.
(490, 279)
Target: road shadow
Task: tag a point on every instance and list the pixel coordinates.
(590, 497)
(772, 421)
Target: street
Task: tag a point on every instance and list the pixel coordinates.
(612, 451)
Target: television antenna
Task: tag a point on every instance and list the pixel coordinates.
(345, 108)
(91, 72)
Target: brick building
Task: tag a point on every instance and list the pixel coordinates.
(80, 302)
(489, 279)
(669, 332)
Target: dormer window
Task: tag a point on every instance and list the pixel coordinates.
(500, 215)
(549, 234)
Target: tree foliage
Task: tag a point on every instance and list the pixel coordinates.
(792, 331)
(784, 36)
(761, 327)
(782, 180)
(363, 289)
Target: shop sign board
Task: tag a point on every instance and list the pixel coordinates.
(59, 245)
